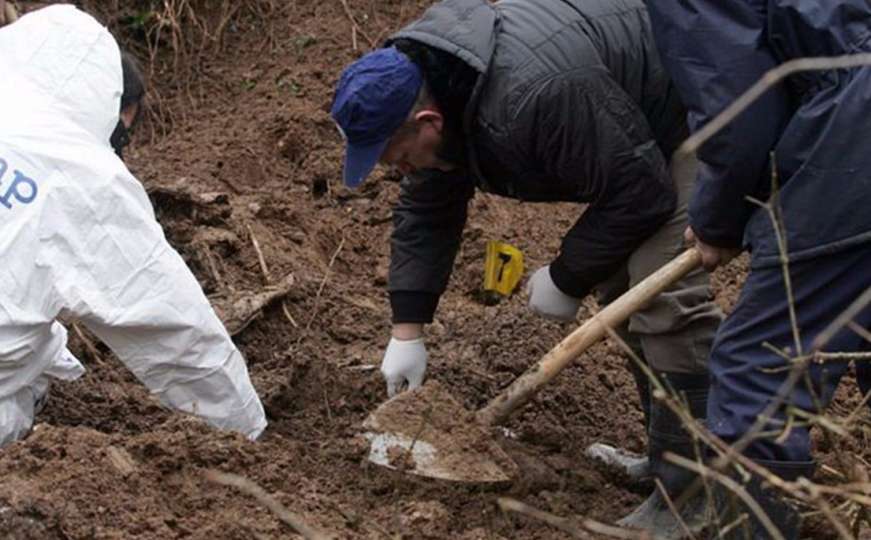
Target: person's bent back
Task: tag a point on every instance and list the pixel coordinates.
(79, 238)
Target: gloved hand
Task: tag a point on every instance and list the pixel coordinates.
(547, 300)
(404, 362)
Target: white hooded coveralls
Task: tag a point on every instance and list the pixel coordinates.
(78, 239)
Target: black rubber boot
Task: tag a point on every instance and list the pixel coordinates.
(666, 434)
(643, 386)
(782, 514)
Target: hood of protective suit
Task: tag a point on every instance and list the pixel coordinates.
(68, 63)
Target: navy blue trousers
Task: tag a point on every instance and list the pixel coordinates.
(746, 376)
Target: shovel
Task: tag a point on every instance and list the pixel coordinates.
(426, 432)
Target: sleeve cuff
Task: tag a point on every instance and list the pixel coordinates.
(413, 306)
(567, 282)
(720, 238)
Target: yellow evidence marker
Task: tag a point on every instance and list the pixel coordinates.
(503, 268)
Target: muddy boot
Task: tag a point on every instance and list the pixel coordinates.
(668, 435)
(783, 515)
(634, 466)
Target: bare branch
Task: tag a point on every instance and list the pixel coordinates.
(731, 485)
(569, 526)
(843, 532)
(563, 524)
(92, 349)
(843, 320)
(324, 284)
(260, 259)
(250, 488)
(673, 509)
(355, 28)
(863, 333)
(823, 356)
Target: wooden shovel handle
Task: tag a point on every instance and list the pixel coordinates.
(523, 388)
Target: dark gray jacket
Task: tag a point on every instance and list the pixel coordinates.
(571, 104)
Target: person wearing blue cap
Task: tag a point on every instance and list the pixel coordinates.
(539, 100)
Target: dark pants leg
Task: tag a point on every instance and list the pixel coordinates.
(746, 376)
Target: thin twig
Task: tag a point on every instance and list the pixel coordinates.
(773, 210)
(228, 13)
(842, 320)
(356, 26)
(822, 356)
(569, 526)
(427, 415)
(816, 496)
(250, 488)
(863, 333)
(92, 349)
(354, 519)
(260, 259)
(288, 315)
(727, 453)
(732, 486)
(820, 420)
(513, 505)
(859, 409)
(327, 402)
(322, 285)
(673, 509)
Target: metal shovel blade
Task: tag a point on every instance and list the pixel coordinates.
(428, 433)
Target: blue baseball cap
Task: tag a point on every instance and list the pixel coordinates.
(373, 98)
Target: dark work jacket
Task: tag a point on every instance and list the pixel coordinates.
(571, 104)
(818, 124)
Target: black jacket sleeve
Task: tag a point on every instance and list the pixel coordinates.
(428, 223)
(714, 51)
(583, 128)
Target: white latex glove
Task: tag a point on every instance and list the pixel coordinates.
(404, 362)
(547, 300)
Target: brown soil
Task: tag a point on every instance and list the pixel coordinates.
(252, 154)
(430, 420)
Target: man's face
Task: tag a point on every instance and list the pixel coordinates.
(416, 144)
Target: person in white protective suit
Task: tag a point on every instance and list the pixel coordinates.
(79, 240)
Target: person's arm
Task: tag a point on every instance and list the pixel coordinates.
(116, 272)
(714, 51)
(584, 129)
(428, 223)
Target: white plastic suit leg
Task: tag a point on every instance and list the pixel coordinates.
(18, 410)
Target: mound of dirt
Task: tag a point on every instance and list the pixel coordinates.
(244, 174)
(426, 431)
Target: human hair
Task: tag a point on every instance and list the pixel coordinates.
(448, 80)
(448, 83)
(424, 99)
(134, 82)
